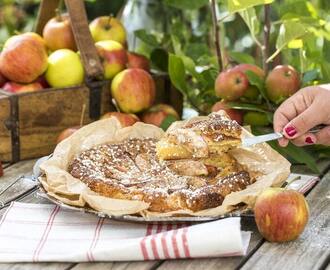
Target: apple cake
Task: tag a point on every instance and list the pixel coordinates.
(184, 175)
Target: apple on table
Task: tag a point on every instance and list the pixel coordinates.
(281, 214)
(3, 80)
(66, 133)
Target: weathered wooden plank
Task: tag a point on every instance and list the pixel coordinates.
(5, 135)
(11, 174)
(312, 248)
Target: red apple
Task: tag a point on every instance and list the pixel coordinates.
(157, 114)
(113, 57)
(107, 28)
(58, 33)
(234, 114)
(42, 80)
(282, 82)
(231, 84)
(24, 58)
(67, 133)
(134, 90)
(125, 119)
(3, 80)
(21, 88)
(136, 60)
(281, 215)
(252, 91)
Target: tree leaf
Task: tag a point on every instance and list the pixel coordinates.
(177, 72)
(147, 38)
(186, 4)
(310, 76)
(325, 68)
(159, 59)
(169, 119)
(237, 5)
(289, 30)
(241, 58)
(250, 18)
(255, 80)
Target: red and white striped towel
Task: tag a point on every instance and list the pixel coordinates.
(40, 232)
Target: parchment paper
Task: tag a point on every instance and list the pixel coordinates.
(272, 168)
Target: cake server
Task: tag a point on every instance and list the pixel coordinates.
(246, 142)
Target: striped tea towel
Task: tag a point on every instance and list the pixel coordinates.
(42, 232)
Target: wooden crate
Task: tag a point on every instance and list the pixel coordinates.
(31, 122)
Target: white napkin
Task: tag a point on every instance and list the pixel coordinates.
(40, 233)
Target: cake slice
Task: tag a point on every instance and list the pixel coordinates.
(200, 139)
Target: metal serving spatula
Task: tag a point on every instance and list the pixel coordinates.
(246, 142)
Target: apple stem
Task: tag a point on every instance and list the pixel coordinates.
(114, 102)
(265, 48)
(216, 30)
(58, 15)
(287, 184)
(108, 26)
(82, 116)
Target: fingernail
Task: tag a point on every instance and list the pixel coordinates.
(309, 140)
(291, 131)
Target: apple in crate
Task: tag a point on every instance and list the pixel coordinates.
(158, 113)
(21, 88)
(125, 119)
(234, 114)
(282, 82)
(113, 57)
(281, 214)
(64, 69)
(67, 133)
(58, 33)
(136, 60)
(107, 28)
(134, 90)
(24, 58)
(231, 84)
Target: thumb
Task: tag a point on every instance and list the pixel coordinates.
(303, 122)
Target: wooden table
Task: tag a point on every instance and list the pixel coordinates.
(310, 251)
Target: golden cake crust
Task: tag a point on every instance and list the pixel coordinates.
(131, 170)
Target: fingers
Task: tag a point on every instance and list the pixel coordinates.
(302, 123)
(321, 137)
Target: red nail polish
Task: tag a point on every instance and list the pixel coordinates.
(309, 140)
(291, 131)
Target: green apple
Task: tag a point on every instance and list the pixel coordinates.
(107, 28)
(113, 57)
(64, 69)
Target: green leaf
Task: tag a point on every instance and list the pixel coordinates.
(298, 154)
(177, 73)
(167, 122)
(255, 80)
(241, 58)
(147, 38)
(310, 76)
(237, 5)
(159, 59)
(325, 68)
(186, 4)
(250, 18)
(289, 30)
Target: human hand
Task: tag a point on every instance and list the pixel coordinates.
(298, 114)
